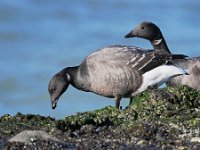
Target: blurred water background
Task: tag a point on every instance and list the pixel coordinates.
(39, 38)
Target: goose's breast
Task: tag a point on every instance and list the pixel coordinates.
(111, 79)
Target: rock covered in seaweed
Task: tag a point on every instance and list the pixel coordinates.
(160, 119)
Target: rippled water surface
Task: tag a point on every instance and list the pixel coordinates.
(38, 38)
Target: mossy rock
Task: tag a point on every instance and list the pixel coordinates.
(161, 118)
(169, 105)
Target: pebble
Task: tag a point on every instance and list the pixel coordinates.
(195, 139)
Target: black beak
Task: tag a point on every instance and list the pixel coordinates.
(54, 104)
(130, 34)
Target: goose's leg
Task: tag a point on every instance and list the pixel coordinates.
(117, 102)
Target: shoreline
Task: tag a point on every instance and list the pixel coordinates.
(166, 118)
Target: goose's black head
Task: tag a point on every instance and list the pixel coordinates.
(57, 86)
(146, 30)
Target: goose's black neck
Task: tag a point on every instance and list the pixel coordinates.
(77, 76)
(70, 73)
(159, 44)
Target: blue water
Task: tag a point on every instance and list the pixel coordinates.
(39, 38)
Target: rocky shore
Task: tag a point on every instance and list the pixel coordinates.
(166, 118)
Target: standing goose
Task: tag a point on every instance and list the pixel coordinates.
(115, 72)
(151, 32)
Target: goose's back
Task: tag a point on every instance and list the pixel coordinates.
(134, 57)
(116, 52)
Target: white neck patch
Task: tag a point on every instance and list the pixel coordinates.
(68, 77)
(157, 42)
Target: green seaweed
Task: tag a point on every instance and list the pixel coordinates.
(150, 117)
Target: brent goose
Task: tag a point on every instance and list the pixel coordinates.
(151, 32)
(115, 72)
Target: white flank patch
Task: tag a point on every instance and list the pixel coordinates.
(159, 75)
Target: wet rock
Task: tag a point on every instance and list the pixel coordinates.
(87, 129)
(195, 139)
(29, 136)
